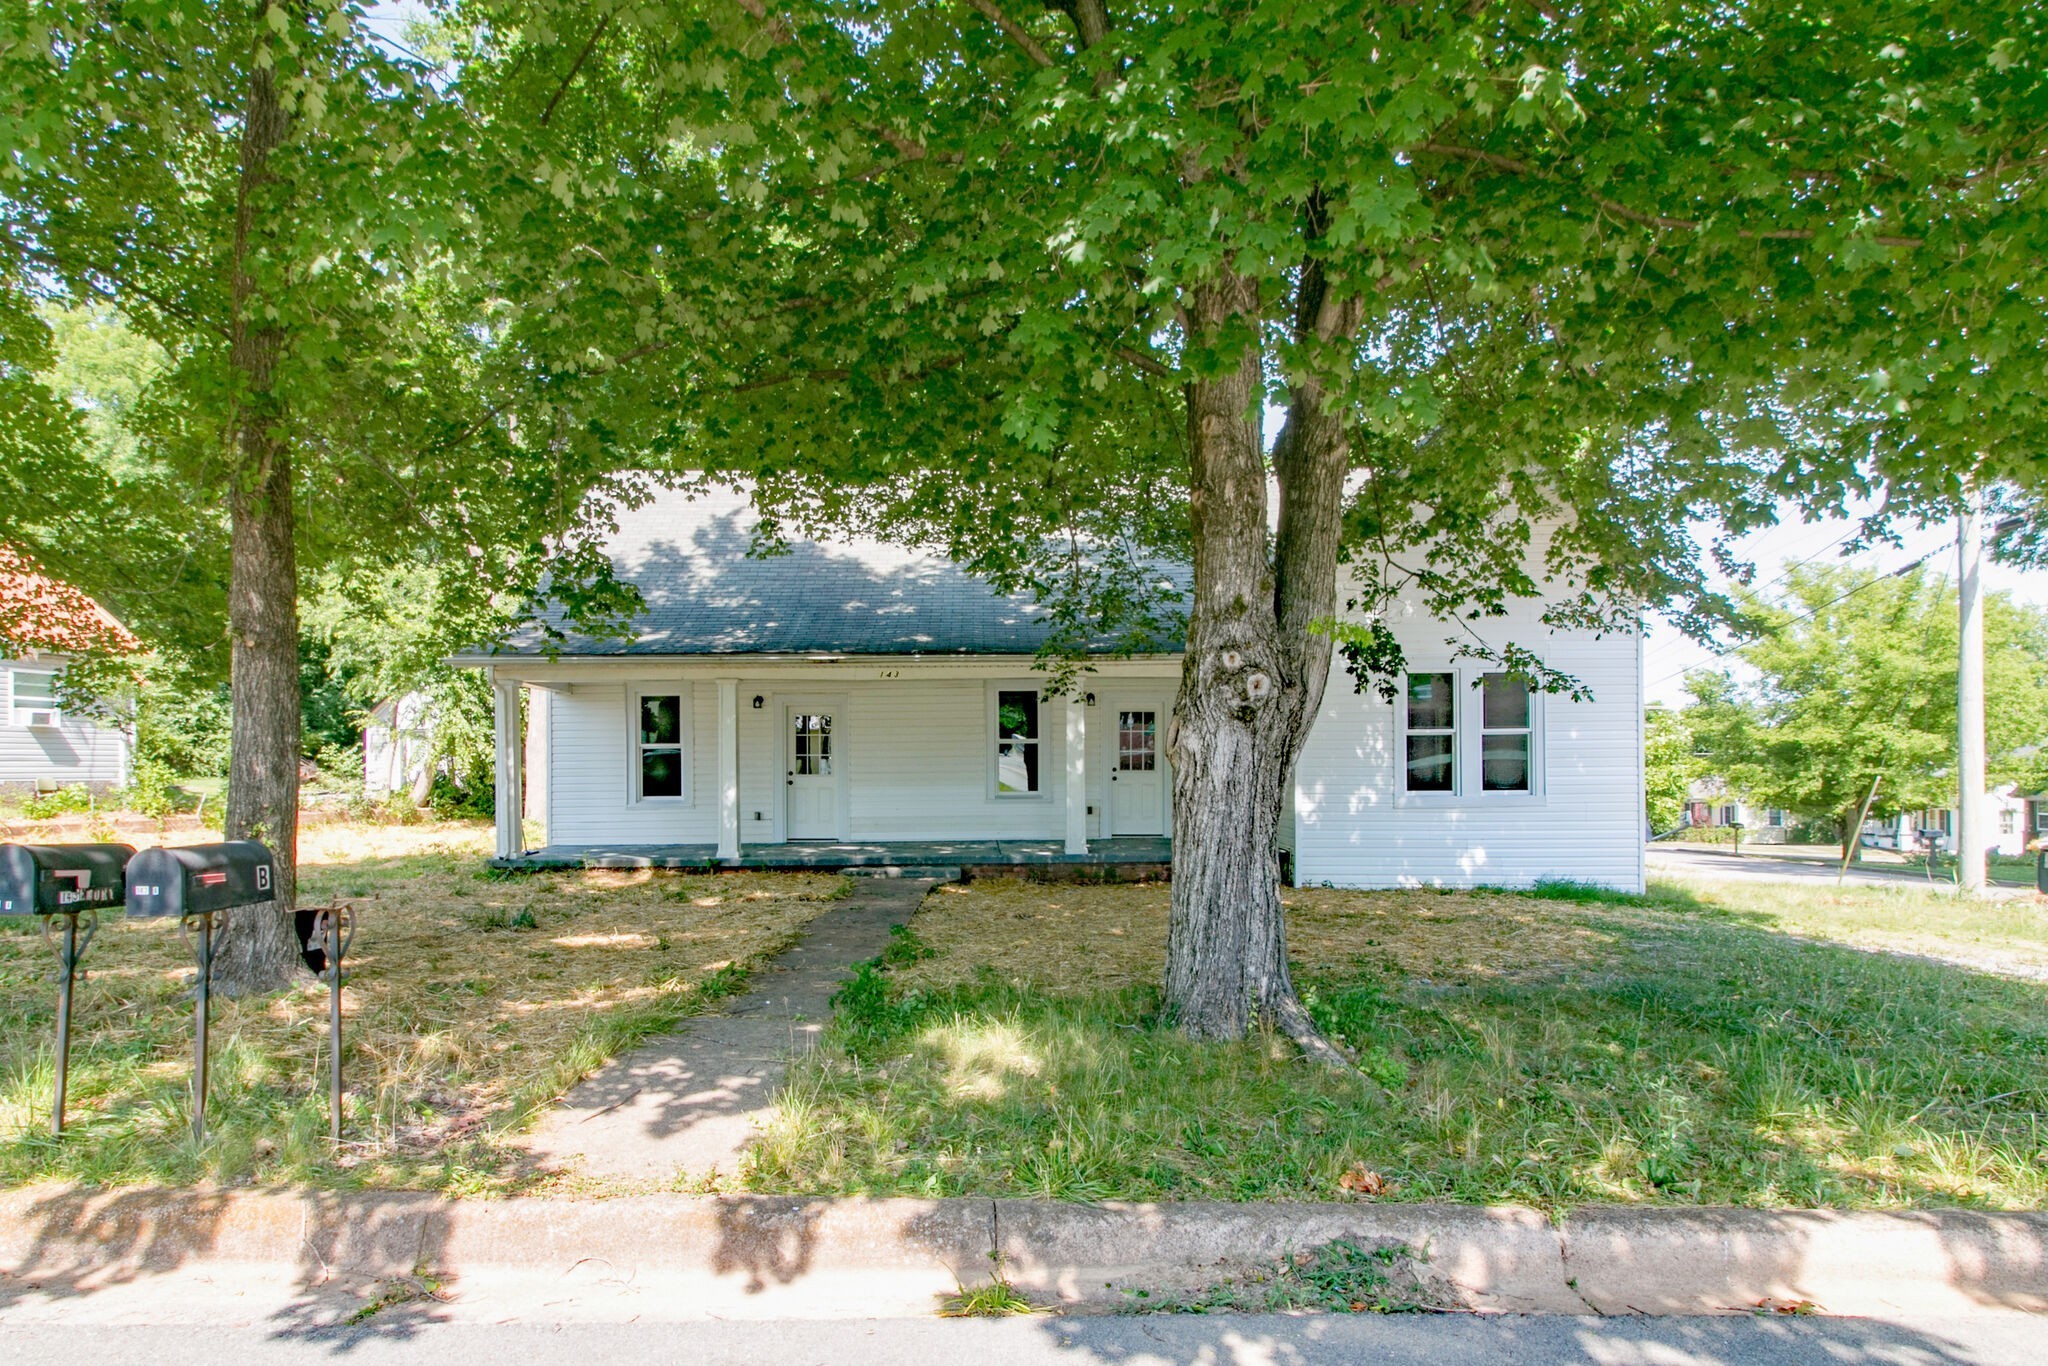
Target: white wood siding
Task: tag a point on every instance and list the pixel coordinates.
(69, 754)
(590, 778)
(917, 752)
(917, 756)
(1354, 827)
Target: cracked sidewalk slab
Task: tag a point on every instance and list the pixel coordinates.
(307, 1258)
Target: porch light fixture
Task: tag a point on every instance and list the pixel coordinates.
(758, 699)
(1091, 699)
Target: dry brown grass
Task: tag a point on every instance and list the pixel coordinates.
(1085, 939)
(470, 998)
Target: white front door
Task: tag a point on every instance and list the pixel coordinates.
(812, 809)
(1137, 777)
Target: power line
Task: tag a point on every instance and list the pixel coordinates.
(1809, 615)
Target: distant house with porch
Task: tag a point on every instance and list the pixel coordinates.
(1710, 804)
(45, 745)
(2015, 817)
(850, 701)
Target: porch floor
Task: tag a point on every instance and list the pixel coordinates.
(1124, 855)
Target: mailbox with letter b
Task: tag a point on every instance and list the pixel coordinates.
(201, 879)
(195, 883)
(65, 883)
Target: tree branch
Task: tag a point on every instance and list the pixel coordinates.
(1620, 210)
(1145, 362)
(1013, 31)
(833, 375)
(575, 67)
(1091, 19)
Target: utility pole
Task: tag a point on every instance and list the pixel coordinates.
(1971, 836)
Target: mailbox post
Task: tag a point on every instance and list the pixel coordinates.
(67, 883)
(194, 884)
(336, 924)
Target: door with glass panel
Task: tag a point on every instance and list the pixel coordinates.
(1137, 771)
(810, 741)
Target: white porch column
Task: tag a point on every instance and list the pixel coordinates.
(1077, 774)
(728, 768)
(508, 698)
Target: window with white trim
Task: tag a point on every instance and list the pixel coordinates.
(33, 692)
(1431, 732)
(659, 772)
(1017, 771)
(1506, 734)
(1478, 751)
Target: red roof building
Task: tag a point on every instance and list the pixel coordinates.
(37, 613)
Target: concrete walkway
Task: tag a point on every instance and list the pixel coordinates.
(687, 1104)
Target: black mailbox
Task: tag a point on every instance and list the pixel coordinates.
(200, 879)
(61, 879)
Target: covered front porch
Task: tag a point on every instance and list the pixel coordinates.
(1119, 858)
(820, 763)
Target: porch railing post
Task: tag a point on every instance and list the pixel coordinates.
(510, 790)
(728, 768)
(1077, 774)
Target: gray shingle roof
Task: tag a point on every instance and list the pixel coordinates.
(705, 595)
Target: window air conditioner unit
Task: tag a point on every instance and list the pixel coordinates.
(41, 719)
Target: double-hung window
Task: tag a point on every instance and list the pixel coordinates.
(658, 744)
(1432, 732)
(33, 696)
(1505, 733)
(1452, 730)
(1017, 742)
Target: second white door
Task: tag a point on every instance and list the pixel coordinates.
(1137, 778)
(812, 792)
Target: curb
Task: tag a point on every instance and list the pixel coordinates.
(688, 1256)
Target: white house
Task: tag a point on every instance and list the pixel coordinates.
(1710, 802)
(44, 745)
(825, 704)
(2010, 811)
(397, 745)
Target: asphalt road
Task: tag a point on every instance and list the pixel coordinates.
(1762, 867)
(1992, 1340)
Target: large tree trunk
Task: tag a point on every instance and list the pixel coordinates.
(1251, 682)
(259, 950)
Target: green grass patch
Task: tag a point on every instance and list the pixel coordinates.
(1343, 1277)
(1697, 1057)
(1907, 918)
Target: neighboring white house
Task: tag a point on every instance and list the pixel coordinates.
(2009, 810)
(397, 745)
(854, 692)
(43, 745)
(1710, 803)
